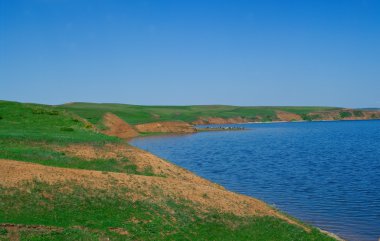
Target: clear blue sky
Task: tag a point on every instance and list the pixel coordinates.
(266, 52)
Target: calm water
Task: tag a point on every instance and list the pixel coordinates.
(324, 173)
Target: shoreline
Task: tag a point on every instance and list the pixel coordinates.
(330, 234)
(297, 121)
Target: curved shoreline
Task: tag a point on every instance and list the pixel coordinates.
(330, 234)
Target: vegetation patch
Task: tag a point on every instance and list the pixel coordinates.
(135, 114)
(32, 122)
(92, 214)
(345, 114)
(44, 111)
(67, 129)
(358, 113)
(44, 154)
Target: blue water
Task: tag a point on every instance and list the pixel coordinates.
(325, 173)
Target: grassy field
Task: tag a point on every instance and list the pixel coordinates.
(92, 214)
(69, 211)
(135, 114)
(35, 133)
(34, 122)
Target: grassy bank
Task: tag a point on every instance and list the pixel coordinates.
(135, 114)
(94, 214)
(89, 186)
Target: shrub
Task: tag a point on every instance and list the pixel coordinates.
(52, 112)
(67, 129)
(306, 117)
(315, 117)
(3, 231)
(358, 113)
(40, 111)
(345, 114)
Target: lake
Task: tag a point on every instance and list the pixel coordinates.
(326, 174)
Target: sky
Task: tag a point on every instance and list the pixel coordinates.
(237, 52)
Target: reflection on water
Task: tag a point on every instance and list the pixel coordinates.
(324, 173)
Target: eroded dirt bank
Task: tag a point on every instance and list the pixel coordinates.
(115, 126)
(343, 114)
(118, 127)
(166, 127)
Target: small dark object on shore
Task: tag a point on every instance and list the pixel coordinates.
(227, 128)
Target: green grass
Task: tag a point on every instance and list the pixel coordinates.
(345, 114)
(135, 114)
(88, 214)
(42, 154)
(31, 132)
(35, 122)
(28, 132)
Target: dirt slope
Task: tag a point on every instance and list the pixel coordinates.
(287, 116)
(337, 115)
(140, 158)
(219, 121)
(118, 127)
(141, 187)
(166, 127)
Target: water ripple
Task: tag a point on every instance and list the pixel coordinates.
(324, 173)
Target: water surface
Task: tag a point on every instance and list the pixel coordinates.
(325, 173)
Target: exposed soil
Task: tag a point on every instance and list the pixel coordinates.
(166, 127)
(336, 115)
(219, 120)
(119, 231)
(14, 229)
(118, 127)
(287, 116)
(140, 158)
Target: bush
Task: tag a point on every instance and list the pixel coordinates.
(306, 117)
(345, 114)
(40, 111)
(3, 231)
(358, 113)
(67, 129)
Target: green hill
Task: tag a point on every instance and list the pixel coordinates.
(63, 180)
(135, 114)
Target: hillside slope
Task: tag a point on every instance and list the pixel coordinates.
(213, 114)
(62, 179)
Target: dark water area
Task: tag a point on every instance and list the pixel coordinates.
(326, 174)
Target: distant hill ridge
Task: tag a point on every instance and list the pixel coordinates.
(215, 114)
